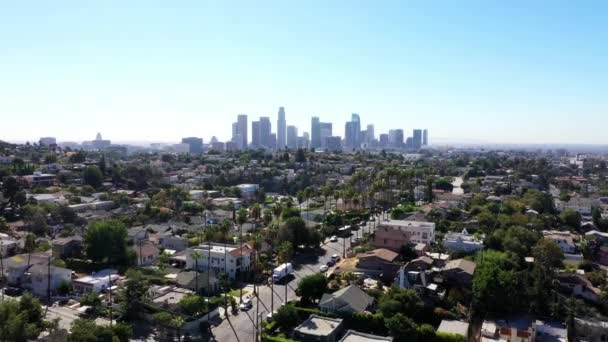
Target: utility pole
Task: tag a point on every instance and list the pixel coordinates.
(2, 269)
(110, 296)
(48, 283)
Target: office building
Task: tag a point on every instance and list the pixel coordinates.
(292, 136)
(255, 134)
(326, 131)
(195, 144)
(370, 134)
(333, 144)
(383, 141)
(425, 137)
(273, 141)
(239, 132)
(47, 141)
(409, 143)
(395, 138)
(352, 132)
(417, 139)
(266, 132)
(281, 129)
(315, 132)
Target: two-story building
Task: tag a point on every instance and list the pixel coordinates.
(393, 234)
(231, 259)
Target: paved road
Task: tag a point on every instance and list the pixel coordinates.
(241, 327)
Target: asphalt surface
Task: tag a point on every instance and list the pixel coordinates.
(241, 327)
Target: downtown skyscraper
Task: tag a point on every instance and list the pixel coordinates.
(239, 132)
(281, 129)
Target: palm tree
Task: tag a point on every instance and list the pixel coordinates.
(196, 255)
(241, 220)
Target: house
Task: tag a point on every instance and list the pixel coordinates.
(565, 240)
(96, 282)
(321, 329)
(550, 331)
(376, 258)
(347, 300)
(16, 266)
(39, 179)
(207, 282)
(147, 253)
(168, 297)
(454, 327)
(463, 241)
(519, 329)
(590, 330)
(578, 286)
(602, 255)
(8, 245)
(599, 236)
(221, 258)
(421, 263)
(137, 234)
(248, 190)
(172, 242)
(459, 271)
(41, 278)
(355, 336)
(396, 233)
(67, 247)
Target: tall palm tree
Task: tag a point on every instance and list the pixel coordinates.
(241, 220)
(196, 255)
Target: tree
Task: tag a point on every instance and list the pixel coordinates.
(548, 258)
(267, 217)
(312, 287)
(286, 317)
(402, 328)
(92, 176)
(400, 300)
(106, 241)
(300, 156)
(86, 330)
(21, 320)
(192, 305)
(36, 219)
(133, 295)
(3, 224)
(496, 286)
(571, 218)
(284, 252)
(294, 230)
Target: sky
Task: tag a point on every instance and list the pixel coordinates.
(486, 71)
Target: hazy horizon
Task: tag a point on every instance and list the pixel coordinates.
(499, 73)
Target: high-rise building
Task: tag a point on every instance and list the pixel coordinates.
(409, 143)
(370, 134)
(255, 134)
(239, 132)
(266, 132)
(425, 137)
(315, 132)
(333, 144)
(195, 144)
(99, 143)
(352, 132)
(292, 136)
(273, 141)
(417, 139)
(281, 133)
(395, 138)
(383, 141)
(326, 131)
(47, 141)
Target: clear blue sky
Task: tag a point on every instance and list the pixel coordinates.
(494, 71)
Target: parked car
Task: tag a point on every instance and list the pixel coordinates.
(333, 239)
(323, 268)
(269, 316)
(246, 305)
(336, 257)
(331, 262)
(13, 291)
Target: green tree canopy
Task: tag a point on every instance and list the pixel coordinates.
(106, 241)
(92, 176)
(312, 287)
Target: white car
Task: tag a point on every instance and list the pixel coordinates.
(246, 305)
(335, 256)
(333, 239)
(323, 268)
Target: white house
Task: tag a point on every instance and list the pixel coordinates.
(248, 190)
(463, 241)
(413, 232)
(95, 282)
(43, 277)
(221, 258)
(8, 245)
(564, 239)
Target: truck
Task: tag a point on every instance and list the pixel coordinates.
(281, 271)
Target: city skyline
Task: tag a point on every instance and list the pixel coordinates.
(504, 73)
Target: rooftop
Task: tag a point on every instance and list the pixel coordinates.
(318, 326)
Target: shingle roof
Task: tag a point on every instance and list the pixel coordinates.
(351, 297)
(381, 253)
(463, 264)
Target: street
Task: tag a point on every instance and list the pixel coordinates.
(241, 327)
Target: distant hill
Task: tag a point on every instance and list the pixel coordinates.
(4, 144)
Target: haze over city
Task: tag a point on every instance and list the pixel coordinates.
(516, 72)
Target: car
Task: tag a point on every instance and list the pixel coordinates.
(333, 239)
(323, 268)
(269, 316)
(331, 262)
(335, 257)
(13, 291)
(246, 305)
